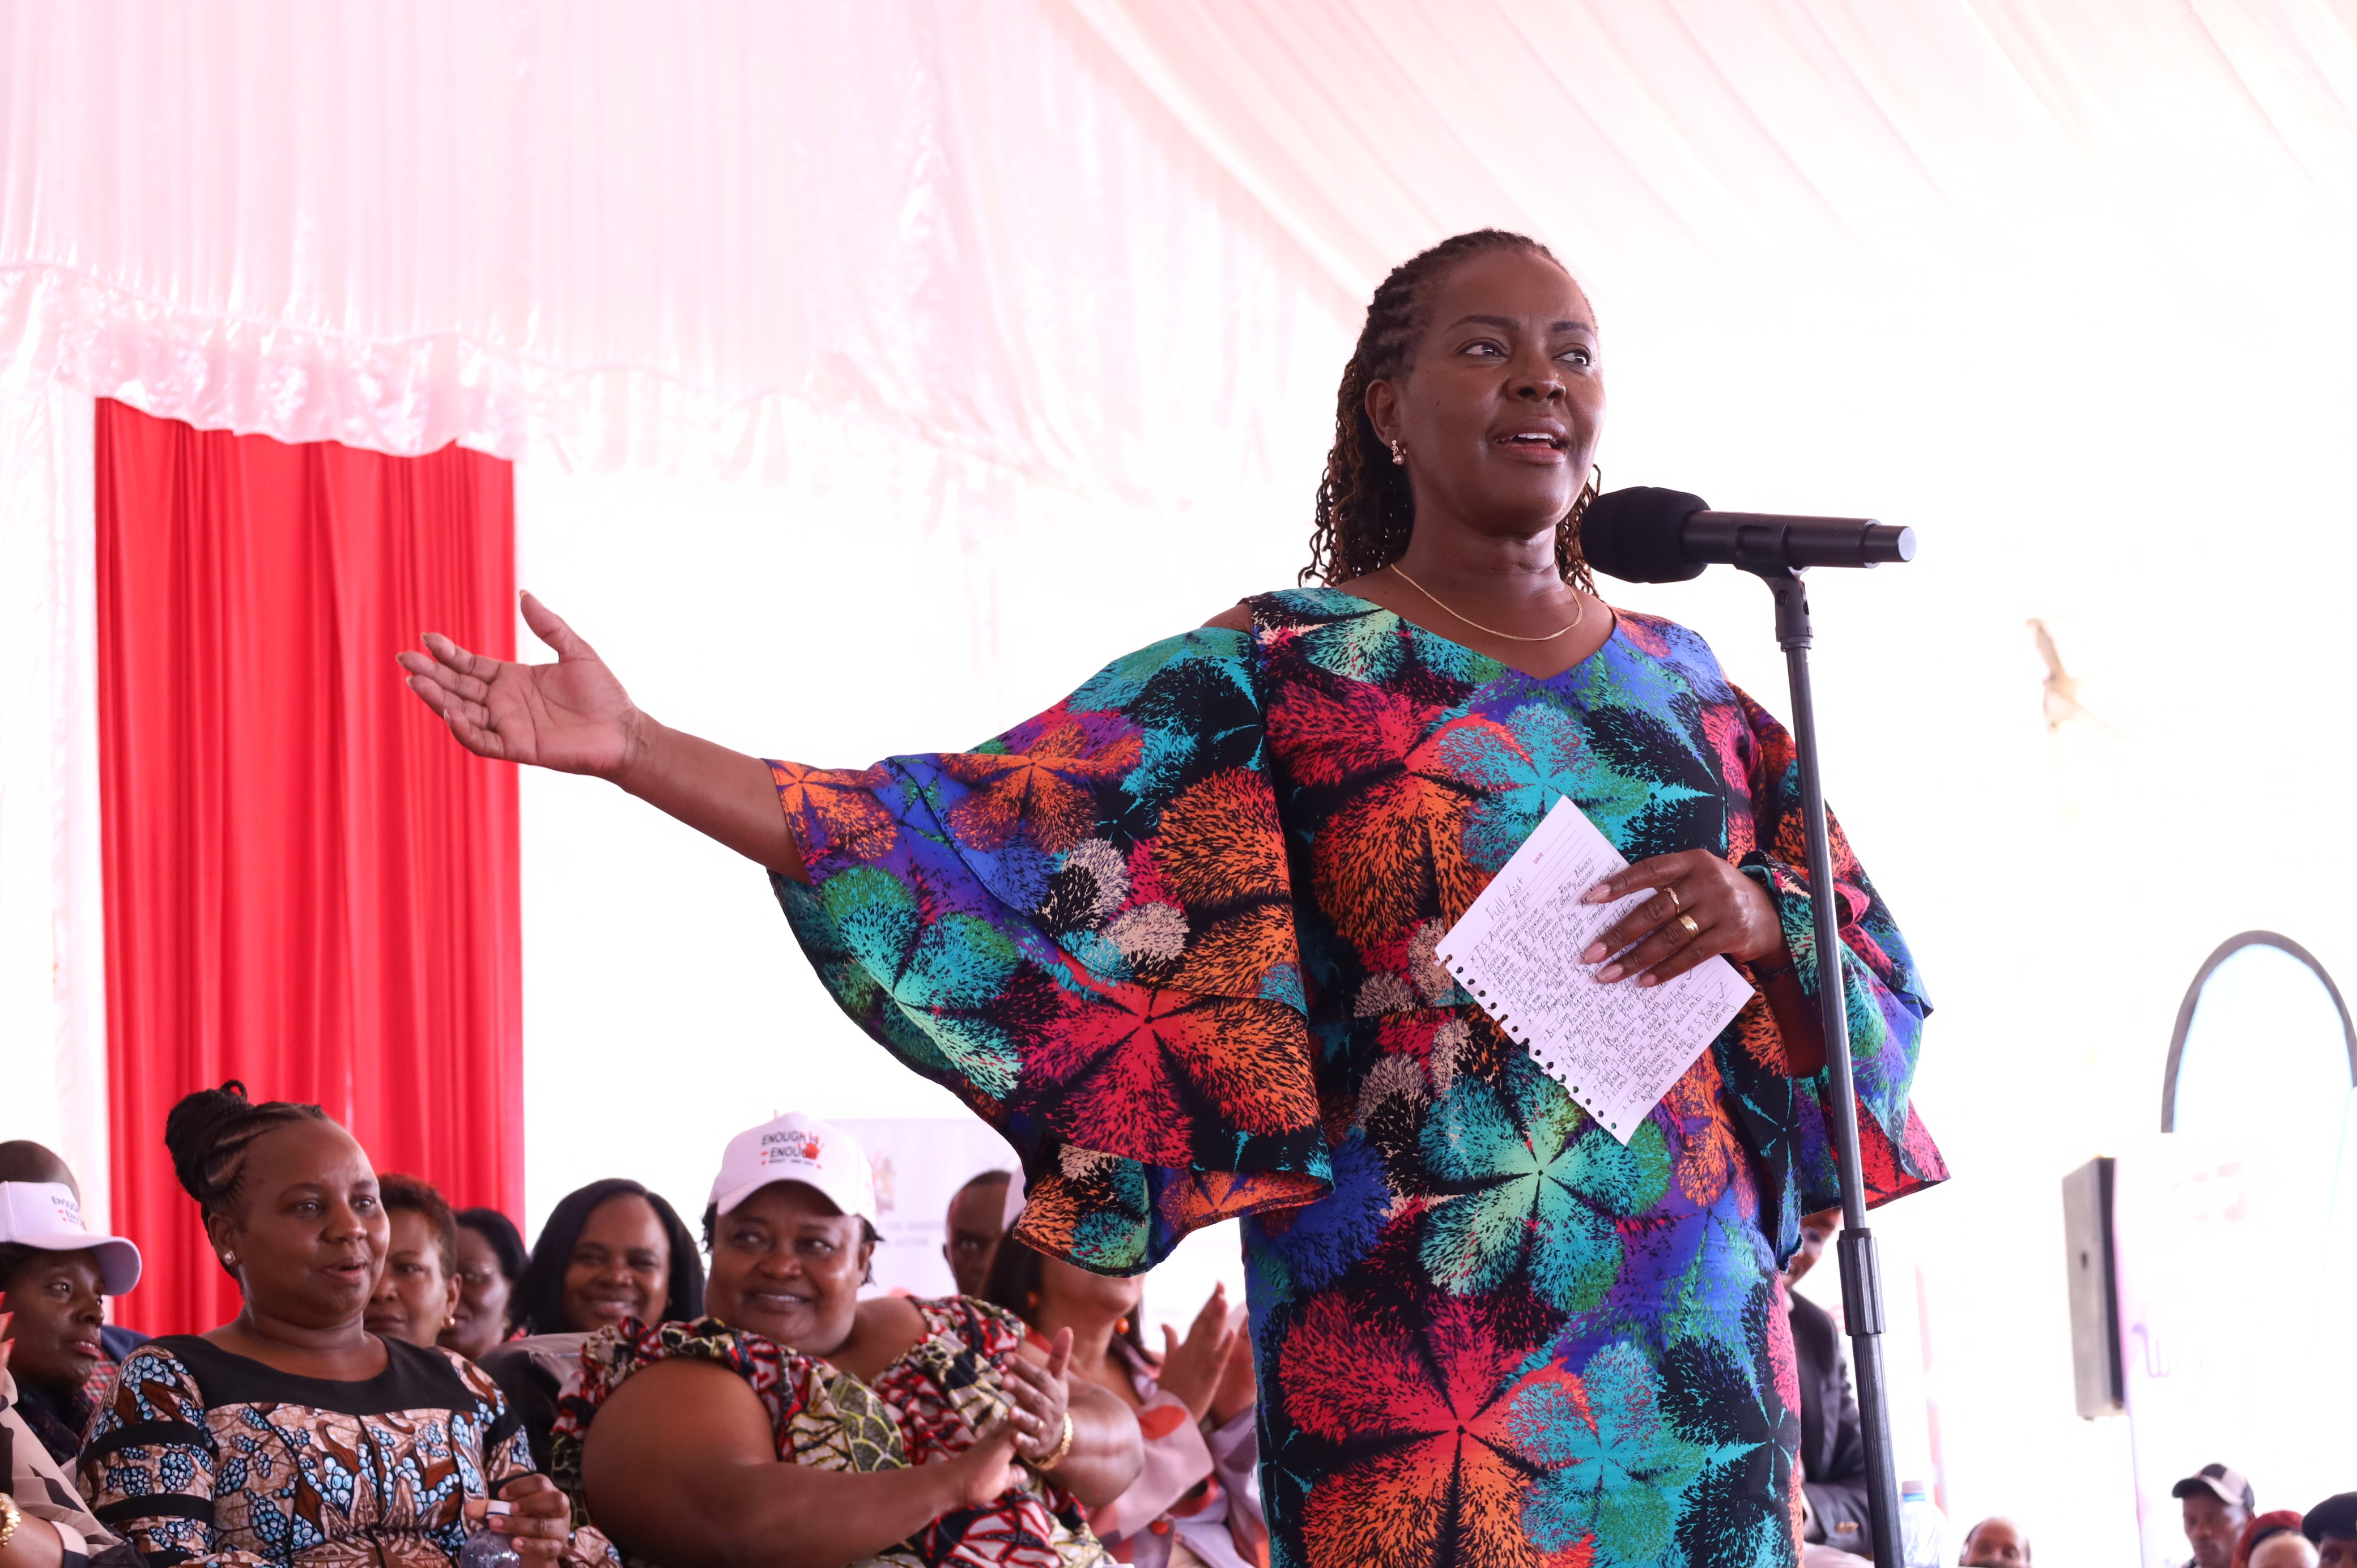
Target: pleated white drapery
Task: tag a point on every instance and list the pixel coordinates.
(625, 233)
(52, 929)
(633, 235)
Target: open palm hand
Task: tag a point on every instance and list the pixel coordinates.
(572, 715)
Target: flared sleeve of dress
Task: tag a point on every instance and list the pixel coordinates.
(1782, 1113)
(149, 1464)
(1085, 928)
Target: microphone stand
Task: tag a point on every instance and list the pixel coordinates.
(1861, 1268)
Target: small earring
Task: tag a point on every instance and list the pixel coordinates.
(229, 1260)
(451, 1321)
(1031, 1300)
(1120, 1327)
(1399, 454)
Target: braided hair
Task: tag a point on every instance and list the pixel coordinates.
(209, 1133)
(1365, 508)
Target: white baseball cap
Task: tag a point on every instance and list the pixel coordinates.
(46, 1214)
(795, 1147)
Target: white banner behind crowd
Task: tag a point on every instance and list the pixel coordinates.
(919, 1165)
(878, 372)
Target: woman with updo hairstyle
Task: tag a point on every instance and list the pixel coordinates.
(1177, 939)
(291, 1434)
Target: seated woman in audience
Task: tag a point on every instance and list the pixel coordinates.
(55, 1277)
(417, 1295)
(21, 1159)
(612, 1252)
(43, 1521)
(491, 1259)
(1199, 1492)
(291, 1434)
(827, 1429)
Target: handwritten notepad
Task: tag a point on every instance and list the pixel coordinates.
(1616, 1047)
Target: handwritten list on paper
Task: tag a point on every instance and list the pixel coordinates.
(1617, 1048)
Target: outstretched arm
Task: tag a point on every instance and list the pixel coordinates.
(573, 716)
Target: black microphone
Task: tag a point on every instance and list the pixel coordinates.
(1643, 534)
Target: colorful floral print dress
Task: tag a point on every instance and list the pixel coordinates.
(927, 1406)
(207, 1457)
(1173, 937)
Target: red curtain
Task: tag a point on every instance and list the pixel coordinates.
(309, 886)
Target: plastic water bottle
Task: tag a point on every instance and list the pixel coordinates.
(1923, 1528)
(487, 1547)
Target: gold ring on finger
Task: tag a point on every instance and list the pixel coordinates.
(1674, 898)
(1688, 922)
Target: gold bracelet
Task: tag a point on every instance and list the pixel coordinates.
(1052, 1460)
(11, 1516)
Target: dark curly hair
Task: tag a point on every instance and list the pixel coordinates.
(1366, 509)
(209, 1133)
(415, 1195)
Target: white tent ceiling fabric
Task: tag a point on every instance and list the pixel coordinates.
(634, 235)
(621, 232)
(1817, 142)
(915, 327)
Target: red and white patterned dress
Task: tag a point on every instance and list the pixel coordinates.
(926, 1407)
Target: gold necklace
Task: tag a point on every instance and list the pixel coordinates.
(1577, 615)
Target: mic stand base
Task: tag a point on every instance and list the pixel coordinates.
(1861, 1269)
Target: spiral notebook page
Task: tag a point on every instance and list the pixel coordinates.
(1615, 1047)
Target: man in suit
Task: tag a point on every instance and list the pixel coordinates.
(1833, 1447)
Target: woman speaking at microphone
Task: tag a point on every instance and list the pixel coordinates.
(1174, 937)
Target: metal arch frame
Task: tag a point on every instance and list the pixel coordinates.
(2185, 1009)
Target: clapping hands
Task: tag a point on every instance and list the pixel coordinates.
(1042, 1400)
(1211, 1371)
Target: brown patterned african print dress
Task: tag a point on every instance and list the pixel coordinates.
(203, 1456)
